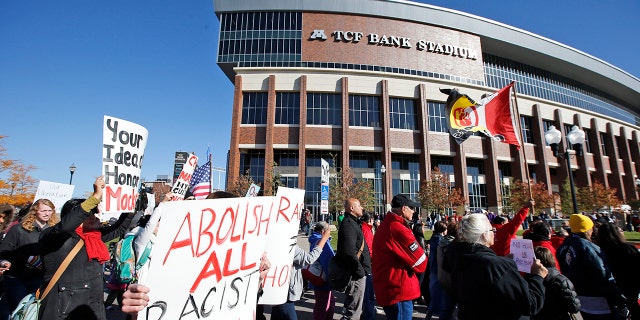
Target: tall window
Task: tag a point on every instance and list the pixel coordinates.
(437, 117)
(324, 109)
(403, 113)
(285, 158)
(287, 108)
(252, 164)
(254, 107)
(527, 135)
(407, 168)
(603, 145)
(445, 164)
(477, 187)
(504, 172)
(312, 180)
(587, 143)
(364, 111)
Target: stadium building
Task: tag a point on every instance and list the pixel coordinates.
(358, 81)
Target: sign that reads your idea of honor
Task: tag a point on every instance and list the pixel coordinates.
(123, 145)
(212, 250)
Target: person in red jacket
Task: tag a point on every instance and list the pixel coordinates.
(505, 231)
(398, 257)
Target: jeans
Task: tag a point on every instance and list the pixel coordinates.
(369, 301)
(285, 311)
(354, 295)
(400, 311)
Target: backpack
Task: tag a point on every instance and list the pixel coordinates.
(315, 274)
(126, 267)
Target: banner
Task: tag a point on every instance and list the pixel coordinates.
(178, 163)
(324, 187)
(181, 184)
(58, 193)
(122, 153)
(207, 254)
(523, 255)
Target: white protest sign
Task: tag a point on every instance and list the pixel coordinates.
(281, 244)
(522, 250)
(207, 254)
(122, 153)
(181, 185)
(253, 190)
(58, 193)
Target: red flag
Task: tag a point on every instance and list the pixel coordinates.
(492, 116)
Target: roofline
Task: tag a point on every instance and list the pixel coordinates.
(496, 38)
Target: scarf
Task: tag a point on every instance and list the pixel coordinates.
(96, 249)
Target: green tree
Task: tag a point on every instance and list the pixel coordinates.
(437, 194)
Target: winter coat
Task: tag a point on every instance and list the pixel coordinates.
(560, 298)
(398, 258)
(325, 257)
(301, 259)
(624, 261)
(20, 247)
(350, 239)
(506, 232)
(78, 294)
(480, 278)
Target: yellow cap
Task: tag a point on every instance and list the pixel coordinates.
(580, 223)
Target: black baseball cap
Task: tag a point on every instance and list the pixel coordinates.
(401, 200)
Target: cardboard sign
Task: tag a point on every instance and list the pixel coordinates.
(181, 185)
(207, 254)
(253, 190)
(122, 153)
(523, 255)
(58, 193)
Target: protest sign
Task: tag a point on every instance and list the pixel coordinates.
(207, 254)
(122, 153)
(181, 185)
(522, 251)
(253, 190)
(58, 193)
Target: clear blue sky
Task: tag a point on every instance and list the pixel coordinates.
(66, 64)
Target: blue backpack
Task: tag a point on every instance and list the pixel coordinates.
(126, 267)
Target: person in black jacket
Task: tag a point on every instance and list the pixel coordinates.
(353, 255)
(560, 298)
(480, 278)
(78, 294)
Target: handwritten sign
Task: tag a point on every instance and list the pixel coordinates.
(122, 153)
(522, 250)
(207, 254)
(58, 193)
(181, 185)
(253, 190)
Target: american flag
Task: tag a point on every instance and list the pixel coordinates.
(201, 181)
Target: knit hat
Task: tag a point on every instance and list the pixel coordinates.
(580, 223)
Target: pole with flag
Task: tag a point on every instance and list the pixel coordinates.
(201, 181)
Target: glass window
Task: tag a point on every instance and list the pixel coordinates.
(477, 189)
(254, 107)
(603, 144)
(437, 117)
(364, 111)
(403, 113)
(525, 123)
(324, 109)
(252, 164)
(287, 108)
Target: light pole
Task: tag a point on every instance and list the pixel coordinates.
(576, 137)
(72, 169)
(383, 171)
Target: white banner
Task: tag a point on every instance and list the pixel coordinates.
(207, 254)
(324, 187)
(523, 255)
(58, 193)
(181, 185)
(122, 153)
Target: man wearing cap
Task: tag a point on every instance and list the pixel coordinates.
(353, 255)
(584, 264)
(397, 260)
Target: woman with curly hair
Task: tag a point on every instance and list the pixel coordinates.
(20, 249)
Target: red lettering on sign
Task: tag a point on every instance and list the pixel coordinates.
(227, 270)
(207, 212)
(175, 244)
(124, 202)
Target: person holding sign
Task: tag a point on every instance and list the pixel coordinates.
(506, 230)
(79, 290)
(480, 278)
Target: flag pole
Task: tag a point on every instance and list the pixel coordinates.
(210, 175)
(522, 148)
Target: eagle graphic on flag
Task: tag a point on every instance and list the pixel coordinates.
(492, 116)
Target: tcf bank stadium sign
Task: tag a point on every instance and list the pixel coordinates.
(398, 42)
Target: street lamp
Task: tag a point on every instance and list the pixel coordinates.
(383, 170)
(576, 137)
(72, 169)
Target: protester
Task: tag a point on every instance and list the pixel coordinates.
(369, 300)
(560, 298)
(6, 216)
(506, 230)
(325, 300)
(79, 291)
(623, 259)
(20, 248)
(585, 265)
(540, 235)
(301, 258)
(440, 303)
(398, 258)
(353, 256)
(443, 301)
(417, 228)
(480, 279)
